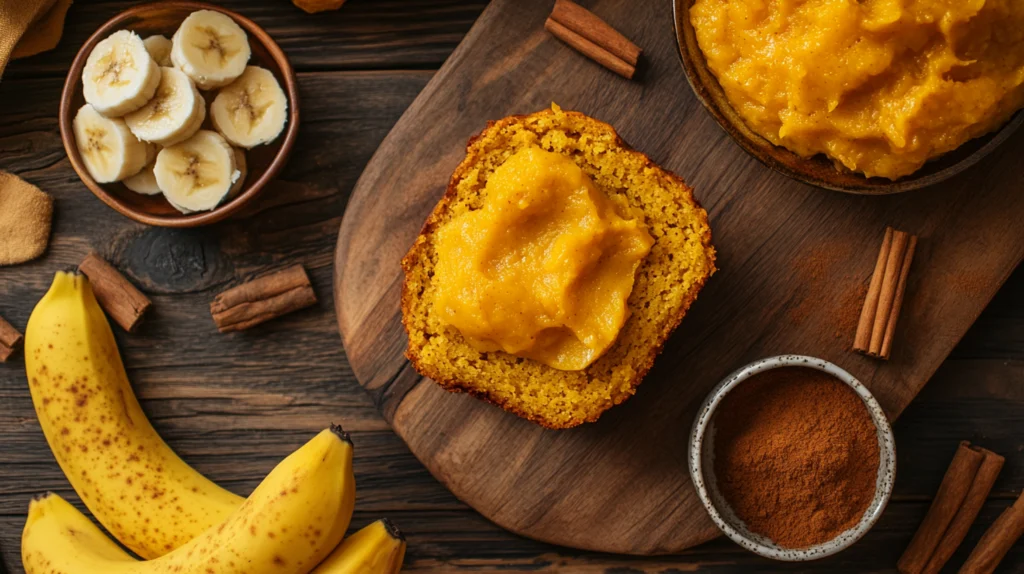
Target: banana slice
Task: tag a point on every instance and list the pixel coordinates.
(199, 118)
(109, 149)
(252, 110)
(119, 75)
(144, 182)
(170, 117)
(211, 48)
(159, 48)
(198, 173)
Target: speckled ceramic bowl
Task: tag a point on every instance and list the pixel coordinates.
(701, 462)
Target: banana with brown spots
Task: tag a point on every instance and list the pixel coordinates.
(287, 526)
(131, 481)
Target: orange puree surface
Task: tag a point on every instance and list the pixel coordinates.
(880, 86)
(543, 270)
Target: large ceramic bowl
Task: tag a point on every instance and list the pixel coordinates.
(701, 463)
(817, 170)
(264, 162)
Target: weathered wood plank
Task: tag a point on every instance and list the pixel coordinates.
(364, 34)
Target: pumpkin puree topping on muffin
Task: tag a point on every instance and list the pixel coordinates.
(544, 268)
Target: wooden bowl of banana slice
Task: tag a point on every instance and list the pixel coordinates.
(177, 114)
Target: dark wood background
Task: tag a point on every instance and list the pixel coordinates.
(233, 405)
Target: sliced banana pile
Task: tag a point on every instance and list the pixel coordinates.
(142, 123)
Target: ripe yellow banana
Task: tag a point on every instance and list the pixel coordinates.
(133, 483)
(378, 548)
(289, 524)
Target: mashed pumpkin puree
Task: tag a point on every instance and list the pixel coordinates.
(880, 86)
(543, 270)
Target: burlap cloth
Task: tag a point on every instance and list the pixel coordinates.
(28, 27)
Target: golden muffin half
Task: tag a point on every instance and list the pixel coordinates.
(666, 281)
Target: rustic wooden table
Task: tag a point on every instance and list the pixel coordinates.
(233, 405)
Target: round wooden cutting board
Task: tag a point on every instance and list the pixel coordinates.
(794, 263)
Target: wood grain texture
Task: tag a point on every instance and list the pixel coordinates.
(366, 34)
(234, 405)
(792, 259)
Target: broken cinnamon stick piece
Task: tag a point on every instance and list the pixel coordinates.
(948, 500)
(988, 471)
(263, 299)
(997, 540)
(587, 24)
(877, 326)
(10, 340)
(125, 304)
(593, 37)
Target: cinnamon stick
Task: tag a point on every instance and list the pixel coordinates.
(887, 297)
(997, 540)
(876, 328)
(125, 304)
(262, 299)
(991, 464)
(901, 289)
(862, 341)
(10, 340)
(953, 490)
(587, 24)
(593, 37)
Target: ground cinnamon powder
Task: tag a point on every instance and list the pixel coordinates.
(796, 455)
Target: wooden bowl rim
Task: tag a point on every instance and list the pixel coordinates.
(698, 76)
(224, 210)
